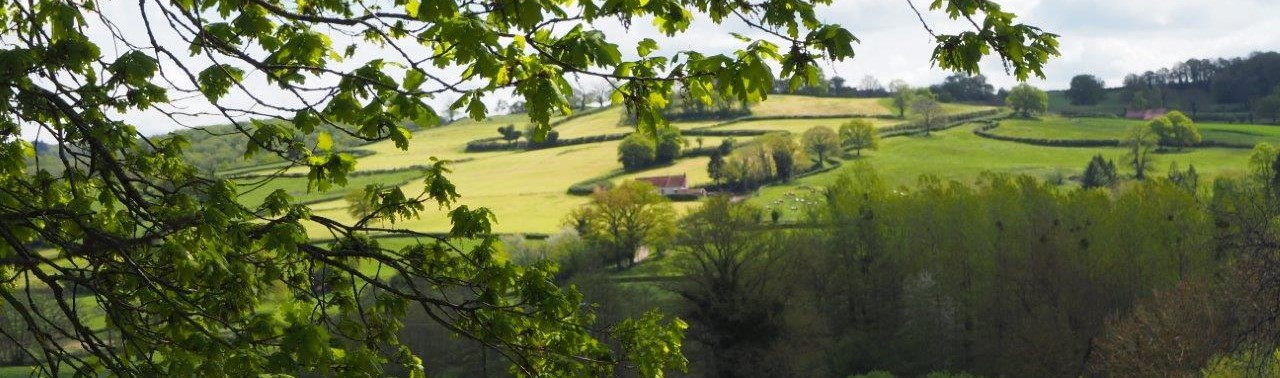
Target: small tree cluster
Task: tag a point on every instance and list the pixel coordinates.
(1099, 173)
(637, 152)
(1175, 129)
(510, 134)
(1086, 90)
(1188, 179)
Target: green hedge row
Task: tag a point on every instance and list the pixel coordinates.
(985, 131)
(356, 173)
(498, 144)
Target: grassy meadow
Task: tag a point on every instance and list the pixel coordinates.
(1056, 127)
(527, 190)
(959, 155)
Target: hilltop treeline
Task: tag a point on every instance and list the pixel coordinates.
(1233, 89)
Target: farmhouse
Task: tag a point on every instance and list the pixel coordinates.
(1145, 114)
(673, 185)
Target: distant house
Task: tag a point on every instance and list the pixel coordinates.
(673, 185)
(1145, 114)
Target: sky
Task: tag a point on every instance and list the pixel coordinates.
(1106, 38)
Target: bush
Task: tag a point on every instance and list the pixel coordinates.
(637, 152)
(668, 146)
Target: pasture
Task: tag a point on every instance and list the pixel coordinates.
(959, 155)
(1056, 127)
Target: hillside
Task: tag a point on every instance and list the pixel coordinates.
(528, 189)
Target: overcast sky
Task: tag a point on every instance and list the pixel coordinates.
(1108, 38)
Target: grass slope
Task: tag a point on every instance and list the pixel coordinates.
(958, 154)
(527, 190)
(1054, 127)
(791, 105)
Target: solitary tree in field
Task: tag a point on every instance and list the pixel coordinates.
(195, 278)
(1140, 141)
(625, 218)
(929, 112)
(821, 141)
(1026, 99)
(859, 134)
(901, 93)
(1086, 90)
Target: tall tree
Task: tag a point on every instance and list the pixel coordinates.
(622, 220)
(732, 293)
(900, 92)
(668, 146)
(1026, 99)
(821, 141)
(929, 112)
(859, 134)
(783, 150)
(181, 267)
(1139, 142)
(1086, 90)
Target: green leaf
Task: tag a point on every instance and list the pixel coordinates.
(646, 46)
(324, 142)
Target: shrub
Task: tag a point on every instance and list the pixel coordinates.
(637, 152)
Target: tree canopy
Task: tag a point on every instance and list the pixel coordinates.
(1086, 90)
(181, 268)
(1026, 99)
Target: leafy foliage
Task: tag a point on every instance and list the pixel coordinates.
(821, 141)
(1086, 90)
(194, 282)
(1026, 99)
(637, 152)
(1100, 173)
(623, 219)
(859, 135)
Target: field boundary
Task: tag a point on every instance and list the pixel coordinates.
(986, 131)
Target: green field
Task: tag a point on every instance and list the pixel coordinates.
(527, 190)
(254, 190)
(1054, 127)
(798, 126)
(957, 154)
(791, 105)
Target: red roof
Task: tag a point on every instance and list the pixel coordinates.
(666, 181)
